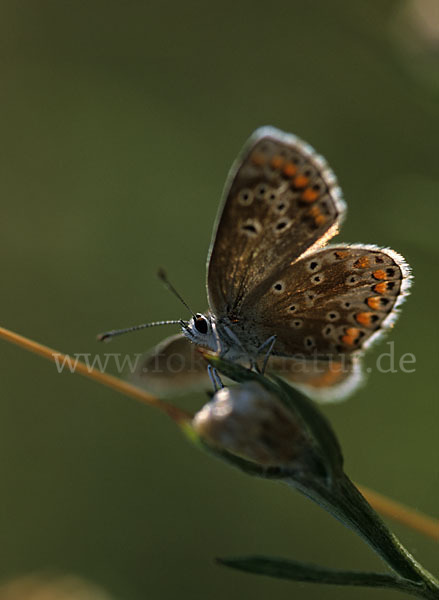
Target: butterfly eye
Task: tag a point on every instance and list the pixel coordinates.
(201, 324)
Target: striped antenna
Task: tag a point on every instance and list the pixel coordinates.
(106, 336)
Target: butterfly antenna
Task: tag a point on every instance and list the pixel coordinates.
(161, 274)
(110, 334)
(107, 335)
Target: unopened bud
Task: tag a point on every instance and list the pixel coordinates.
(251, 422)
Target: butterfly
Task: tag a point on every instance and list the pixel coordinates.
(273, 282)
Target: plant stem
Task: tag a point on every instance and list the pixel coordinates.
(344, 501)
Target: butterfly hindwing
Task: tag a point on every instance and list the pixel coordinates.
(330, 302)
(322, 380)
(173, 367)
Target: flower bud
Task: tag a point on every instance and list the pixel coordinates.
(252, 423)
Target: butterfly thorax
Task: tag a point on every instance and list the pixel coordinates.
(225, 336)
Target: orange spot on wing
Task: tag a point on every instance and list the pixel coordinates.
(258, 159)
(381, 287)
(310, 195)
(362, 262)
(380, 274)
(364, 318)
(289, 169)
(300, 181)
(351, 336)
(329, 378)
(341, 254)
(277, 162)
(315, 213)
(374, 302)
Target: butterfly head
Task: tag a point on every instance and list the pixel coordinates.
(201, 330)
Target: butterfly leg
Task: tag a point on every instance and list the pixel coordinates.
(270, 344)
(214, 378)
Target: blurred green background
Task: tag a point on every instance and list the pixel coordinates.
(119, 122)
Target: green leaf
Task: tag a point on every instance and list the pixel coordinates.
(303, 572)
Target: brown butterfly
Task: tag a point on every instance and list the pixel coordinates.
(275, 286)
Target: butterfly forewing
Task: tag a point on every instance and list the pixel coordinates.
(281, 199)
(330, 302)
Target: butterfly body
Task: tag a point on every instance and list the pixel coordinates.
(271, 274)
(225, 336)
